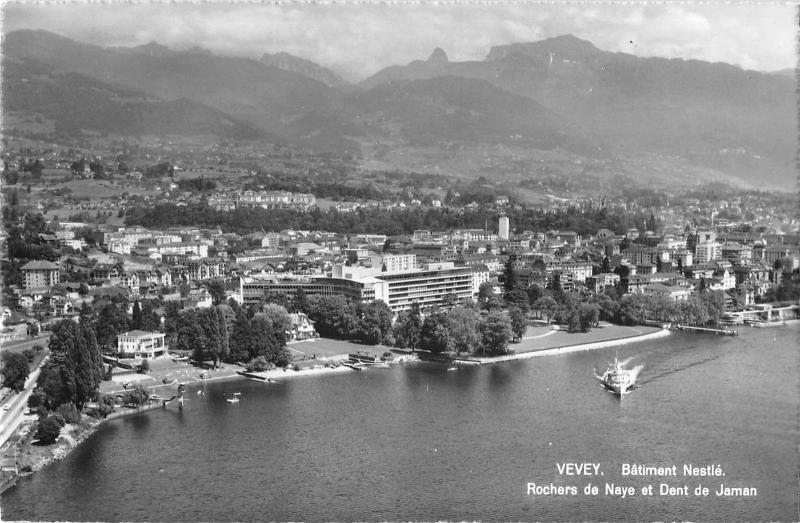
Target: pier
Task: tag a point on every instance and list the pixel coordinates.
(721, 332)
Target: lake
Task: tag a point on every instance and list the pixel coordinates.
(415, 442)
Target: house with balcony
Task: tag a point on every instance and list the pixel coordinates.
(40, 274)
(138, 344)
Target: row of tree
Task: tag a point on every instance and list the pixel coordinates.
(387, 221)
(230, 333)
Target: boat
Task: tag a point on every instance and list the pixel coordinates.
(618, 379)
(235, 398)
(451, 369)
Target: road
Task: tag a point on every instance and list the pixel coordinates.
(26, 343)
(18, 403)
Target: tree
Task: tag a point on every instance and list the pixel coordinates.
(571, 317)
(241, 342)
(486, 297)
(510, 278)
(408, 328)
(278, 298)
(605, 266)
(496, 333)
(69, 412)
(375, 322)
(37, 399)
(300, 301)
(435, 335)
(76, 362)
(588, 315)
(462, 324)
(258, 364)
(29, 354)
(151, 322)
(546, 306)
(136, 316)
(15, 370)
(519, 299)
(105, 404)
(48, 430)
(205, 331)
(334, 316)
(135, 397)
(111, 322)
(519, 323)
(216, 288)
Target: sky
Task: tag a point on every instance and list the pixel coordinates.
(359, 39)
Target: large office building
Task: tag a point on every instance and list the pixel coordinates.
(429, 286)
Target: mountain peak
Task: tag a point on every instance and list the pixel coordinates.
(438, 57)
(569, 42)
(565, 46)
(153, 49)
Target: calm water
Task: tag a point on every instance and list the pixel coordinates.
(418, 443)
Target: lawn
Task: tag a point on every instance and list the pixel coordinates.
(540, 338)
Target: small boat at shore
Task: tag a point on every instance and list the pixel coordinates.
(618, 379)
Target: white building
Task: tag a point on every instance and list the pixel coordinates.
(141, 345)
(706, 251)
(40, 274)
(503, 228)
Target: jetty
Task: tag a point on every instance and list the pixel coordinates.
(721, 332)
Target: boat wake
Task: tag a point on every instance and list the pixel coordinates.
(650, 379)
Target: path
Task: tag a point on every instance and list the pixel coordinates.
(548, 333)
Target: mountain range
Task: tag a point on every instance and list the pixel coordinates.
(560, 101)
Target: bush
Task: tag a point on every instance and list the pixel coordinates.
(49, 429)
(69, 412)
(105, 404)
(58, 419)
(136, 397)
(29, 354)
(258, 364)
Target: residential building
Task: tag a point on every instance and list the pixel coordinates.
(40, 274)
(301, 327)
